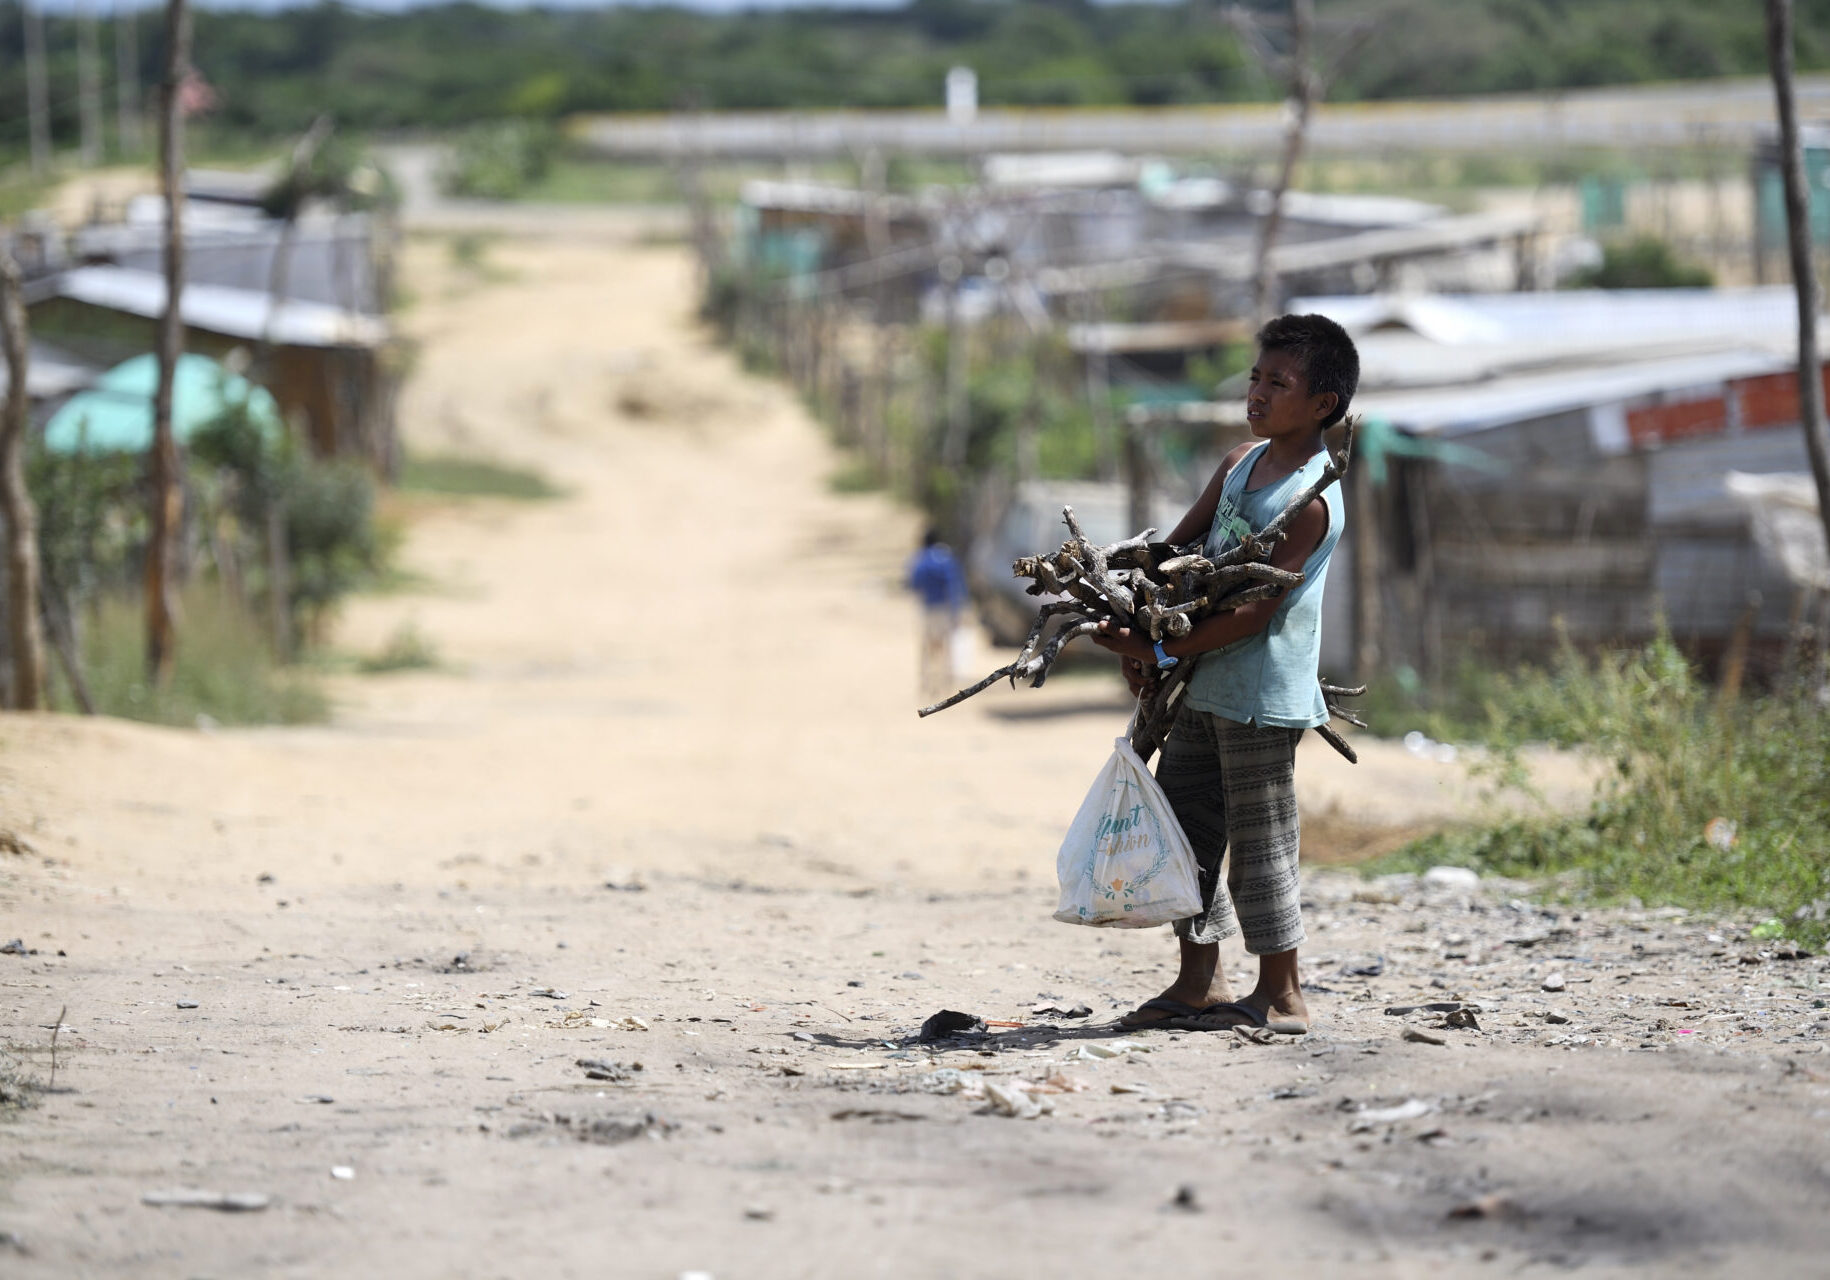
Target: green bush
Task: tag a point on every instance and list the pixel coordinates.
(500, 161)
(1644, 262)
(326, 512)
(1704, 803)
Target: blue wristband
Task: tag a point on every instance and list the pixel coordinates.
(1163, 661)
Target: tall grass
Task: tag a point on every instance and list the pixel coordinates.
(1706, 803)
(224, 672)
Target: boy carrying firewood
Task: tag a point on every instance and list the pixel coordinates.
(1228, 767)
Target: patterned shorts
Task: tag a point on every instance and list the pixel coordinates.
(1233, 788)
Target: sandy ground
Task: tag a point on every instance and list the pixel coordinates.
(665, 802)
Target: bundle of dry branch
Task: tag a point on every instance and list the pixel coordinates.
(1162, 591)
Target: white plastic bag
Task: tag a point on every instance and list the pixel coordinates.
(1125, 862)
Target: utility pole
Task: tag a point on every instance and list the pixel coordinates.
(127, 80)
(1798, 238)
(166, 499)
(89, 85)
(37, 88)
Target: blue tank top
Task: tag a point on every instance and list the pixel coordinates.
(1269, 679)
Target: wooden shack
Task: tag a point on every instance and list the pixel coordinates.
(1568, 475)
(333, 371)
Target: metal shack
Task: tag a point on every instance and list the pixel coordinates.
(1559, 462)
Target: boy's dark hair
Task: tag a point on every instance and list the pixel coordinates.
(1330, 360)
(930, 537)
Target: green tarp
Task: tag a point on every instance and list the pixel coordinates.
(116, 414)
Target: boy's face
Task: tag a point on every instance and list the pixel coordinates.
(1277, 398)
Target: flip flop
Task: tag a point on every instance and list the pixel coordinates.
(1223, 1017)
(1174, 1011)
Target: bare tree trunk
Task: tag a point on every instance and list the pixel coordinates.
(127, 80)
(1296, 132)
(24, 635)
(1798, 236)
(88, 85)
(166, 499)
(37, 88)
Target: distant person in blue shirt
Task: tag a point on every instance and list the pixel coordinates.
(935, 576)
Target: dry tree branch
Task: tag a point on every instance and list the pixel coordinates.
(1160, 590)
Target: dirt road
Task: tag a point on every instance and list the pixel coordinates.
(355, 968)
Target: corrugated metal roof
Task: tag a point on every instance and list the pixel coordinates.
(1575, 317)
(235, 313)
(1456, 410)
(50, 373)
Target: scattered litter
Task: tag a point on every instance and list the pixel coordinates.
(1364, 968)
(1492, 1205)
(191, 1198)
(1553, 982)
(807, 1037)
(1015, 1101)
(1556, 1016)
(342, 1172)
(1095, 1049)
(1425, 747)
(625, 886)
(1462, 1020)
(1417, 1035)
(950, 1022)
(1452, 878)
(578, 1018)
(1368, 1118)
(757, 1213)
(187, 1004)
(1440, 1006)
(1720, 832)
(1289, 1091)
(876, 1115)
(606, 1131)
(1185, 1199)
(630, 1024)
(604, 1069)
(322, 1099)
(856, 1066)
(548, 993)
(1142, 1089)
(16, 947)
(1065, 1010)
(950, 1080)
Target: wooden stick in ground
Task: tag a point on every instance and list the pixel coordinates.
(1798, 240)
(161, 551)
(25, 636)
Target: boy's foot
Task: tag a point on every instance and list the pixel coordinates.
(1170, 1007)
(1284, 1015)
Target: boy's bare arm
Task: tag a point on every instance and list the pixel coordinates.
(1305, 535)
(1193, 527)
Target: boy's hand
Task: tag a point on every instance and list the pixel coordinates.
(1125, 642)
(1136, 675)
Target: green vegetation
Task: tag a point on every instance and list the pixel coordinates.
(457, 64)
(242, 489)
(499, 161)
(225, 674)
(407, 649)
(463, 477)
(1645, 262)
(1707, 803)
